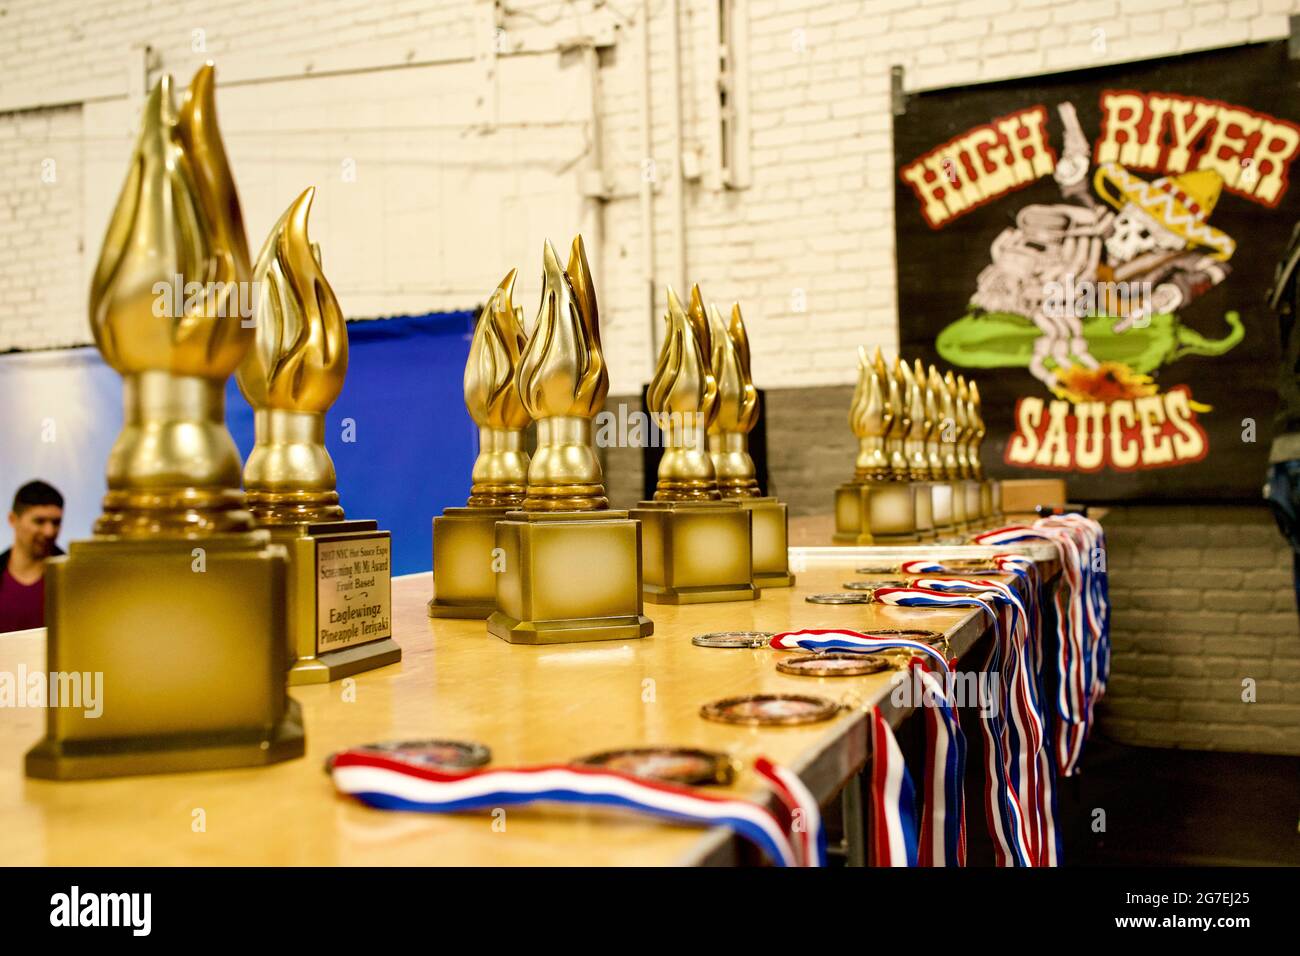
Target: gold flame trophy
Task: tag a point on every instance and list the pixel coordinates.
(975, 414)
(339, 610)
(696, 548)
(952, 431)
(965, 457)
(464, 584)
(941, 492)
(572, 567)
(736, 416)
(918, 465)
(177, 599)
(879, 505)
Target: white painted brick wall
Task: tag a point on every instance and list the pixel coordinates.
(443, 205)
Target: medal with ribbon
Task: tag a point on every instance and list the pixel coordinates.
(381, 781)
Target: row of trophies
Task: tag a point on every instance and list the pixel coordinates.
(918, 475)
(196, 596)
(512, 554)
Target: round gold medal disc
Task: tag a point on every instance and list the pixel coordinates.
(749, 639)
(845, 597)
(833, 664)
(770, 710)
(680, 765)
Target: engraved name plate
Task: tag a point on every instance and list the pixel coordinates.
(354, 595)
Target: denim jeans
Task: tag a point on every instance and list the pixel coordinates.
(1282, 492)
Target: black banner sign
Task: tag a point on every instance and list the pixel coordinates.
(1095, 249)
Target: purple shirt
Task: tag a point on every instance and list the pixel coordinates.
(21, 605)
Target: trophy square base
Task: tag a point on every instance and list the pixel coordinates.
(875, 512)
(975, 515)
(186, 643)
(771, 542)
(941, 508)
(569, 576)
(340, 601)
(850, 506)
(960, 520)
(696, 552)
(891, 516)
(464, 585)
(924, 511)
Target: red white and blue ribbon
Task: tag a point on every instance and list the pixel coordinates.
(844, 639)
(943, 827)
(893, 802)
(943, 804)
(1015, 792)
(393, 784)
(1082, 623)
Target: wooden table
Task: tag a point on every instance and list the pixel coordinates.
(528, 704)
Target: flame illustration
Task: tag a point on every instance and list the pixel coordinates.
(737, 397)
(491, 394)
(1108, 382)
(562, 370)
(178, 215)
(300, 352)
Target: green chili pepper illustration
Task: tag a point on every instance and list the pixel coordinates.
(1006, 340)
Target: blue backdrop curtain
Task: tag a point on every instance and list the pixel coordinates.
(412, 446)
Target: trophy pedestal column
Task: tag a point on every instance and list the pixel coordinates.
(771, 541)
(986, 500)
(696, 552)
(339, 609)
(464, 585)
(924, 504)
(569, 576)
(188, 637)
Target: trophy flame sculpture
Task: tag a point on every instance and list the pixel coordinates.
(737, 406)
(464, 582)
(194, 663)
(500, 476)
(563, 382)
(174, 469)
(571, 567)
(695, 547)
(683, 397)
(291, 376)
(879, 505)
(737, 414)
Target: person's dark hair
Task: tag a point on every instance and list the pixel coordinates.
(36, 493)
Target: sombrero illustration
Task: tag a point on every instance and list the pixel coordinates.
(1181, 204)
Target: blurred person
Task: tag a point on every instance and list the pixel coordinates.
(35, 517)
(1282, 490)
